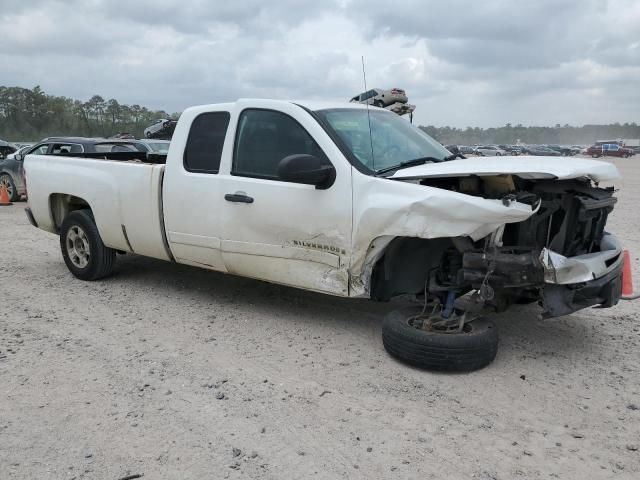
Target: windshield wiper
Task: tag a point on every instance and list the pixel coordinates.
(413, 163)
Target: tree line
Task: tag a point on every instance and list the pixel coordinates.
(509, 134)
(31, 114)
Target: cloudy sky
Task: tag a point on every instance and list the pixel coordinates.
(463, 63)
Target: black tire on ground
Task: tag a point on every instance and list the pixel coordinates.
(12, 191)
(474, 348)
(100, 259)
(147, 134)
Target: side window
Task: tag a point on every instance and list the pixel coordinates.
(59, 149)
(264, 138)
(113, 147)
(64, 148)
(205, 141)
(40, 150)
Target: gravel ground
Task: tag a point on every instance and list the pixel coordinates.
(174, 372)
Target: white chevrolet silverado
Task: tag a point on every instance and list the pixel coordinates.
(350, 201)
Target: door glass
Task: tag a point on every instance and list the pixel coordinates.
(264, 138)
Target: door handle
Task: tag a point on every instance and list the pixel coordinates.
(238, 197)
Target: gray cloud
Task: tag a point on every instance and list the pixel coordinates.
(463, 63)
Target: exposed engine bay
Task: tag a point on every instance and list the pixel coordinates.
(560, 257)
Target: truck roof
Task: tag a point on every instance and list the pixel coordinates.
(309, 104)
(89, 140)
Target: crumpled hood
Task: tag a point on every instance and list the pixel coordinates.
(524, 166)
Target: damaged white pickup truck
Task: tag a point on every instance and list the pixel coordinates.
(348, 201)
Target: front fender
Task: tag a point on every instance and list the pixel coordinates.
(385, 209)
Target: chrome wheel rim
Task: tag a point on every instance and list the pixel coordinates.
(5, 183)
(78, 247)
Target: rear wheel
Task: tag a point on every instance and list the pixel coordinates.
(82, 249)
(7, 182)
(470, 349)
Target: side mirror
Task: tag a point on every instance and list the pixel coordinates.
(307, 169)
(19, 157)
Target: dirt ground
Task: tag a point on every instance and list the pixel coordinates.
(178, 373)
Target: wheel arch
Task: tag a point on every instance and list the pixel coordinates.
(401, 265)
(61, 204)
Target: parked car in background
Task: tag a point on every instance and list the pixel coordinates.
(462, 149)
(11, 174)
(466, 150)
(455, 150)
(540, 150)
(490, 151)
(609, 150)
(162, 128)
(156, 146)
(563, 150)
(6, 148)
(11, 169)
(511, 149)
(381, 98)
(20, 145)
(124, 135)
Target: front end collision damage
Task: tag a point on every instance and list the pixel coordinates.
(528, 240)
(426, 213)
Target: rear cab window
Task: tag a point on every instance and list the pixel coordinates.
(203, 151)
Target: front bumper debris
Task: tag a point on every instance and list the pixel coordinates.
(562, 270)
(566, 284)
(558, 300)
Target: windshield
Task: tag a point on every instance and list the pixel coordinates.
(393, 139)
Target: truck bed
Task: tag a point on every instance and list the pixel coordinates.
(125, 197)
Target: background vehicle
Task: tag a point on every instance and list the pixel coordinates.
(11, 169)
(11, 175)
(381, 98)
(563, 150)
(347, 201)
(511, 149)
(540, 150)
(466, 150)
(124, 135)
(6, 149)
(162, 128)
(609, 150)
(157, 146)
(455, 150)
(490, 151)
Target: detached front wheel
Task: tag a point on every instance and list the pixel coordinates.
(405, 338)
(82, 249)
